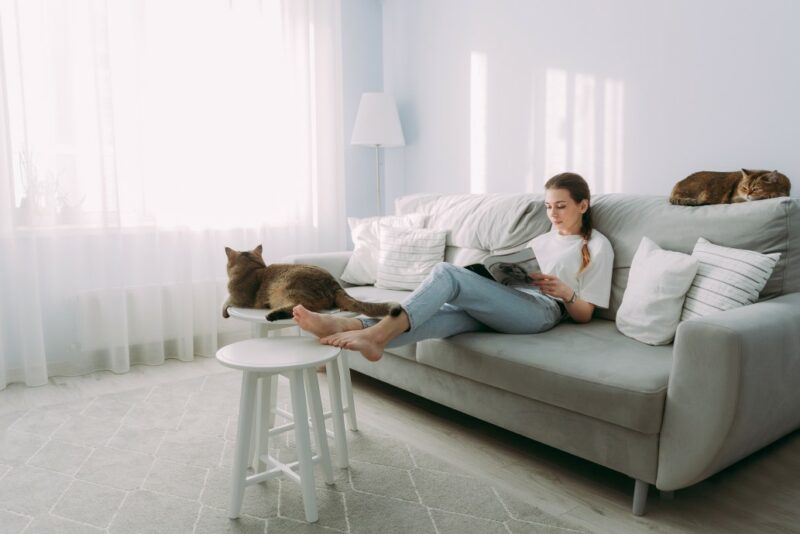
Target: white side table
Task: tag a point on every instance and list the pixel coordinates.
(342, 396)
(296, 358)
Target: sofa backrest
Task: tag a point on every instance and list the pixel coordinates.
(485, 224)
(764, 226)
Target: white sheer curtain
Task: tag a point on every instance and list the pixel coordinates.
(137, 139)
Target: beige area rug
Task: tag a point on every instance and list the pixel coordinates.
(158, 460)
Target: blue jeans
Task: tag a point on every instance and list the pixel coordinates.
(453, 300)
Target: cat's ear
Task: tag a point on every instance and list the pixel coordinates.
(746, 173)
(771, 177)
(230, 253)
(258, 250)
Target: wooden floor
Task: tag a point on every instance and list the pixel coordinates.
(760, 494)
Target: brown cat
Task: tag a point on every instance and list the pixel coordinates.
(707, 187)
(254, 284)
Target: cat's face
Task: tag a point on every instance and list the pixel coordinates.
(246, 259)
(758, 185)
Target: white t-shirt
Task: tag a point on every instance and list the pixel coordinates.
(560, 255)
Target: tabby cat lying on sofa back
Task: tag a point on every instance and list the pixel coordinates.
(707, 187)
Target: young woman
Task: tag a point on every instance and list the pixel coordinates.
(575, 263)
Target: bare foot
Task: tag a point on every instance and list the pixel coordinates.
(366, 341)
(322, 324)
(371, 341)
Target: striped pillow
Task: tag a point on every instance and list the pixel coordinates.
(726, 278)
(408, 255)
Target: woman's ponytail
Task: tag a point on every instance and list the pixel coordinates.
(586, 234)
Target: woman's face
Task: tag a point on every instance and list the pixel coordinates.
(563, 212)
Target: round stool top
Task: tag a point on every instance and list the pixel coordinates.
(276, 354)
(257, 315)
(260, 316)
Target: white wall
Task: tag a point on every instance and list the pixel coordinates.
(498, 95)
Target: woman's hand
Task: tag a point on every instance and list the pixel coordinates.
(580, 311)
(551, 285)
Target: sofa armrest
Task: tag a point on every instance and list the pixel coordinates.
(734, 388)
(333, 262)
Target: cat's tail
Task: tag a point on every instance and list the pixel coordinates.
(373, 309)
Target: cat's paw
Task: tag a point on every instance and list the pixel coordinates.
(225, 313)
(278, 315)
(683, 201)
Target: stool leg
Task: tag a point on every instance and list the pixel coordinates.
(303, 445)
(273, 399)
(253, 447)
(255, 330)
(347, 391)
(262, 423)
(246, 404)
(321, 436)
(335, 390)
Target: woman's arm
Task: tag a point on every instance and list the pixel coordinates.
(580, 310)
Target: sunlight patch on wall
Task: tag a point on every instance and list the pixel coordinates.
(583, 129)
(584, 142)
(477, 122)
(612, 135)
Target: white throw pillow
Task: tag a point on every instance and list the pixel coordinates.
(657, 284)
(726, 278)
(362, 267)
(408, 255)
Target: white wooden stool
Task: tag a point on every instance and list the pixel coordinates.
(296, 358)
(261, 327)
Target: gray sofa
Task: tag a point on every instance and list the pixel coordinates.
(669, 416)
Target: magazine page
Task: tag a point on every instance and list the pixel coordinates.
(509, 269)
(513, 269)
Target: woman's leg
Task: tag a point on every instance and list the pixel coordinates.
(448, 321)
(394, 332)
(428, 297)
(502, 308)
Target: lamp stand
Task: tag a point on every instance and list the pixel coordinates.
(378, 174)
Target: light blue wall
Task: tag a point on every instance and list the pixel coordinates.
(362, 71)
(497, 95)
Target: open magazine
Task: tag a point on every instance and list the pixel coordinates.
(508, 269)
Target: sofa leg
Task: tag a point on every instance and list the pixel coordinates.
(640, 497)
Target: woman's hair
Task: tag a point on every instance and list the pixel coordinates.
(578, 191)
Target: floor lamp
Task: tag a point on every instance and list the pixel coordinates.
(377, 125)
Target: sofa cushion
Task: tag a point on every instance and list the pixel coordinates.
(765, 226)
(588, 368)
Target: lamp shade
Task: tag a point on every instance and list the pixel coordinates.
(377, 122)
